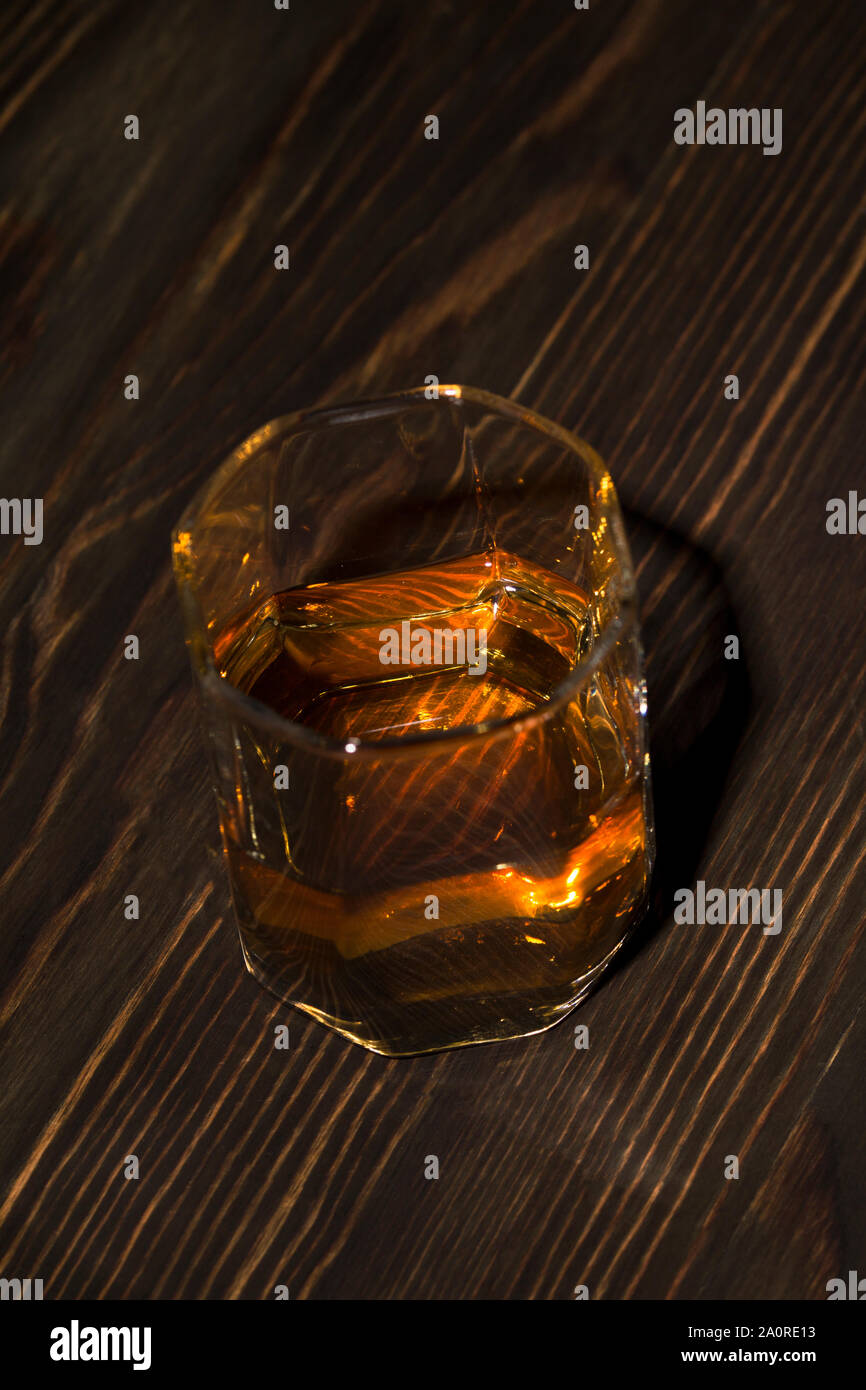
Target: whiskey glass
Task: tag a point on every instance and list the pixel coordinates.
(413, 630)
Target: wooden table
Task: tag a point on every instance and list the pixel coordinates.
(155, 257)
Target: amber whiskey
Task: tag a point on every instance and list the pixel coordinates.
(431, 849)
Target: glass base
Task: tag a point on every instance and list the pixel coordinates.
(405, 1027)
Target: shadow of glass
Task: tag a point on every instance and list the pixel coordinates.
(699, 705)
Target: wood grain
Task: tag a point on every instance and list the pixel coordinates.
(258, 127)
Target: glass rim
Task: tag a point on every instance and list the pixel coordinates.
(620, 624)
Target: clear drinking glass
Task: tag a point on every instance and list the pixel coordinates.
(413, 629)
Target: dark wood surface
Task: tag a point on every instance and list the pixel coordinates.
(558, 1167)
